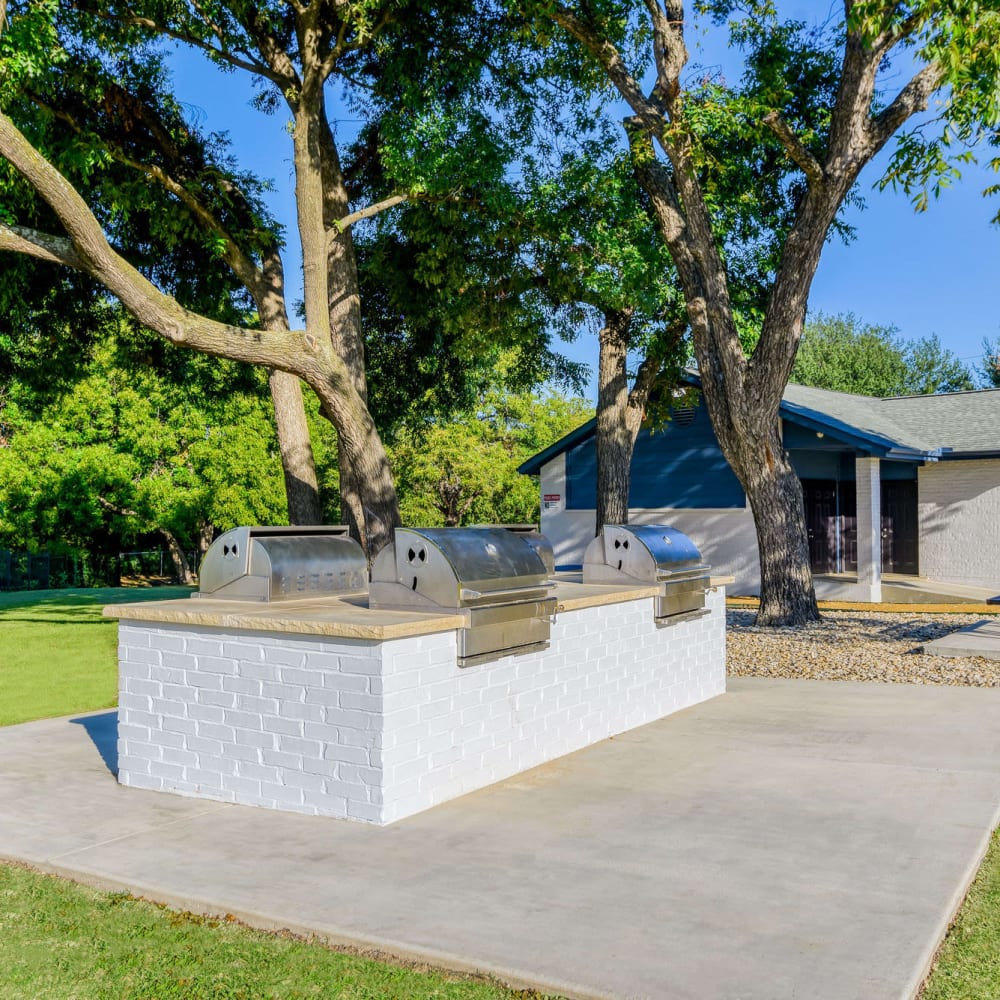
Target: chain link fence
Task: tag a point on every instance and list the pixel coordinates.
(53, 571)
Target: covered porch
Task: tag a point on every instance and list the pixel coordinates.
(901, 588)
(861, 516)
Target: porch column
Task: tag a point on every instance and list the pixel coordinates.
(869, 487)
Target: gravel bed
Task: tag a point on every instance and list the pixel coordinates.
(855, 646)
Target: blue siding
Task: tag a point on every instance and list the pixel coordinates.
(818, 464)
(678, 466)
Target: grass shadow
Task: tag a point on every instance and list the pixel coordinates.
(103, 732)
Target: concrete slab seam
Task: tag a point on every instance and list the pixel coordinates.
(139, 833)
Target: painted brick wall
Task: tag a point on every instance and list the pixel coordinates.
(959, 504)
(607, 670)
(257, 718)
(379, 731)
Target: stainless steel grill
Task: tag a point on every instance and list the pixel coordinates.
(492, 577)
(283, 564)
(651, 554)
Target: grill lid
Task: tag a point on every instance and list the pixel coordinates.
(269, 563)
(530, 534)
(644, 552)
(456, 567)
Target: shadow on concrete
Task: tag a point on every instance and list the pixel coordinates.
(103, 732)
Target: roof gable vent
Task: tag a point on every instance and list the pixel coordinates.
(684, 416)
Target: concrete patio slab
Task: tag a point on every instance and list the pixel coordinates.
(981, 639)
(801, 839)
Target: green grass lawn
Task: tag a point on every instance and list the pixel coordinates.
(57, 654)
(59, 940)
(968, 965)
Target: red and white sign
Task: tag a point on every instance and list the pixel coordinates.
(551, 501)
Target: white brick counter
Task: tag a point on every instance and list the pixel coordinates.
(376, 730)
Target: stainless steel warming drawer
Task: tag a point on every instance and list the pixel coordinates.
(651, 554)
(283, 564)
(492, 577)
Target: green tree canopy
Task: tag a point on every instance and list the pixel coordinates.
(989, 369)
(464, 470)
(124, 454)
(843, 353)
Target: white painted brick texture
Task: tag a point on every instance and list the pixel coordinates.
(607, 670)
(378, 731)
(255, 718)
(959, 505)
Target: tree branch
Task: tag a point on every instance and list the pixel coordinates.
(609, 58)
(806, 162)
(243, 267)
(669, 52)
(228, 55)
(342, 47)
(910, 100)
(54, 249)
(115, 509)
(288, 351)
(365, 213)
(241, 264)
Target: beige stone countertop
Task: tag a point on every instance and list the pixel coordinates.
(348, 616)
(343, 617)
(572, 593)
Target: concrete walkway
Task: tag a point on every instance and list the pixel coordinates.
(800, 839)
(981, 639)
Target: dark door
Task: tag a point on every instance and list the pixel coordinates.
(899, 526)
(820, 498)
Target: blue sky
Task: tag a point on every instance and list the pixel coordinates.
(936, 272)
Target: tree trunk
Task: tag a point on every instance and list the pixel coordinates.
(182, 571)
(343, 299)
(373, 513)
(369, 498)
(787, 594)
(618, 422)
(206, 531)
(301, 486)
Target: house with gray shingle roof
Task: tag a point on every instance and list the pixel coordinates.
(908, 486)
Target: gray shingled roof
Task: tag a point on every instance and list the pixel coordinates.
(908, 427)
(959, 421)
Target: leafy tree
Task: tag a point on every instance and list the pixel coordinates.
(989, 370)
(161, 207)
(293, 52)
(814, 107)
(932, 368)
(464, 470)
(842, 353)
(124, 454)
(556, 239)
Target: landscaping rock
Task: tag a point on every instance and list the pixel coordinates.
(855, 646)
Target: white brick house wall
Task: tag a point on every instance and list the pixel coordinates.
(376, 731)
(959, 509)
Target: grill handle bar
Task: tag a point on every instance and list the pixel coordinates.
(467, 594)
(691, 572)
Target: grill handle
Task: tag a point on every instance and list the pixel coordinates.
(694, 573)
(467, 594)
